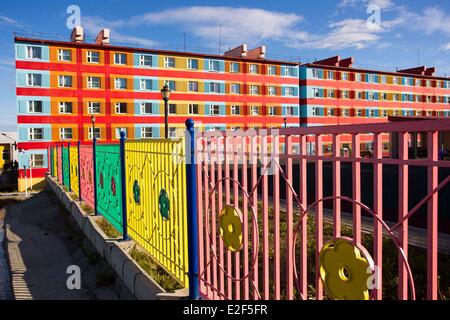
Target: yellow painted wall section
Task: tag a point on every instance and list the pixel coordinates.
(156, 174)
(73, 155)
(55, 162)
(34, 182)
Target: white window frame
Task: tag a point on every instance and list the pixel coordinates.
(253, 68)
(290, 110)
(254, 110)
(235, 108)
(213, 86)
(62, 81)
(143, 86)
(172, 132)
(191, 108)
(272, 111)
(119, 130)
(235, 86)
(290, 91)
(146, 135)
(344, 76)
(193, 86)
(90, 82)
(144, 105)
(142, 58)
(213, 64)
(169, 82)
(345, 112)
(98, 133)
(91, 107)
(272, 90)
(118, 82)
(63, 107)
(232, 67)
(169, 62)
(190, 63)
(65, 133)
(253, 89)
(118, 105)
(32, 134)
(61, 56)
(316, 92)
(31, 106)
(213, 108)
(33, 160)
(34, 80)
(30, 54)
(120, 59)
(90, 56)
(174, 106)
(271, 70)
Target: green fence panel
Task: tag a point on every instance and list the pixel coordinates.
(52, 160)
(109, 184)
(66, 168)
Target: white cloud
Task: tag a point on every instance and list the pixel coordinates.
(433, 19)
(383, 4)
(7, 21)
(445, 47)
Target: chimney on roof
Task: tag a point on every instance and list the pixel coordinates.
(239, 51)
(77, 34)
(257, 53)
(430, 71)
(346, 63)
(417, 70)
(332, 61)
(103, 37)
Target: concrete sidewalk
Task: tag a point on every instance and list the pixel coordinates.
(42, 242)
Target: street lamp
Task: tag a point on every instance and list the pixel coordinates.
(93, 127)
(165, 93)
(15, 142)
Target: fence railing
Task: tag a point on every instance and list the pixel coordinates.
(263, 215)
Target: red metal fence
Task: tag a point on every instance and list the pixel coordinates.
(259, 215)
(87, 175)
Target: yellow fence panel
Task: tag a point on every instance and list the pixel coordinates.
(156, 201)
(74, 184)
(55, 162)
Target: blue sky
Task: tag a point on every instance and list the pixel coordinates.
(290, 28)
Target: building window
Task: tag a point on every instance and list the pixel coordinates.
(253, 68)
(272, 90)
(358, 77)
(93, 57)
(193, 86)
(169, 62)
(330, 75)
(64, 55)
(214, 110)
(370, 95)
(345, 94)
(119, 130)
(272, 111)
(330, 93)
(93, 107)
(145, 60)
(34, 106)
(145, 84)
(172, 108)
(65, 81)
(120, 83)
(97, 133)
(345, 112)
(65, 133)
(193, 109)
(235, 88)
(384, 113)
(192, 64)
(289, 71)
(234, 67)
(171, 84)
(358, 95)
(146, 132)
(384, 96)
(121, 107)
(65, 107)
(37, 160)
(395, 113)
(214, 65)
(254, 89)
(315, 111)
(235, 110)
(290, 91)
(34, 52)
(371, 113)
(316, 92)
(93, 83)
(36, 133)
(214, 87)
(172, 132)
(146, 108)
(330, 112)
(34, 80)
(271, 70)
(120, 58)
(344, 76)
(315, 74)
(254, 110)
(358, 112)
(290, 110)
(383, 79)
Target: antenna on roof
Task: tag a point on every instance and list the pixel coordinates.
(184, 41)
(220, 36)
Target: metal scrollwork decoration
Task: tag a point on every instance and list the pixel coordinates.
(230, 220)
(113, 186)
(164, 204)
(345, 269)
(136, 192)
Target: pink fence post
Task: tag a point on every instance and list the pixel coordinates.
(255, 204)
(276, 215)
(304, 222)
(265, 224)
(244, 143)
(214, 215)
(402, 211)
(220, 143)
(336, 185)
(432, 218)
(378, 208)
(356, 185)
(237, 264)
(319, 212)
(227, 201)
(207, 213)
(289, 221)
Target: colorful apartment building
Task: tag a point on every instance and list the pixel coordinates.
(62, 85)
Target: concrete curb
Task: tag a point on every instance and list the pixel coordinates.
(115, 252)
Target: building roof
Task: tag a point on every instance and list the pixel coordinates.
(154, 51)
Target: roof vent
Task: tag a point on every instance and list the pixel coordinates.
(257, 53)
(239, 51)
(103, 37)
(77, 34)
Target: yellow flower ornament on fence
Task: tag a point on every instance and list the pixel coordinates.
(230, 222)
(345, 270)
